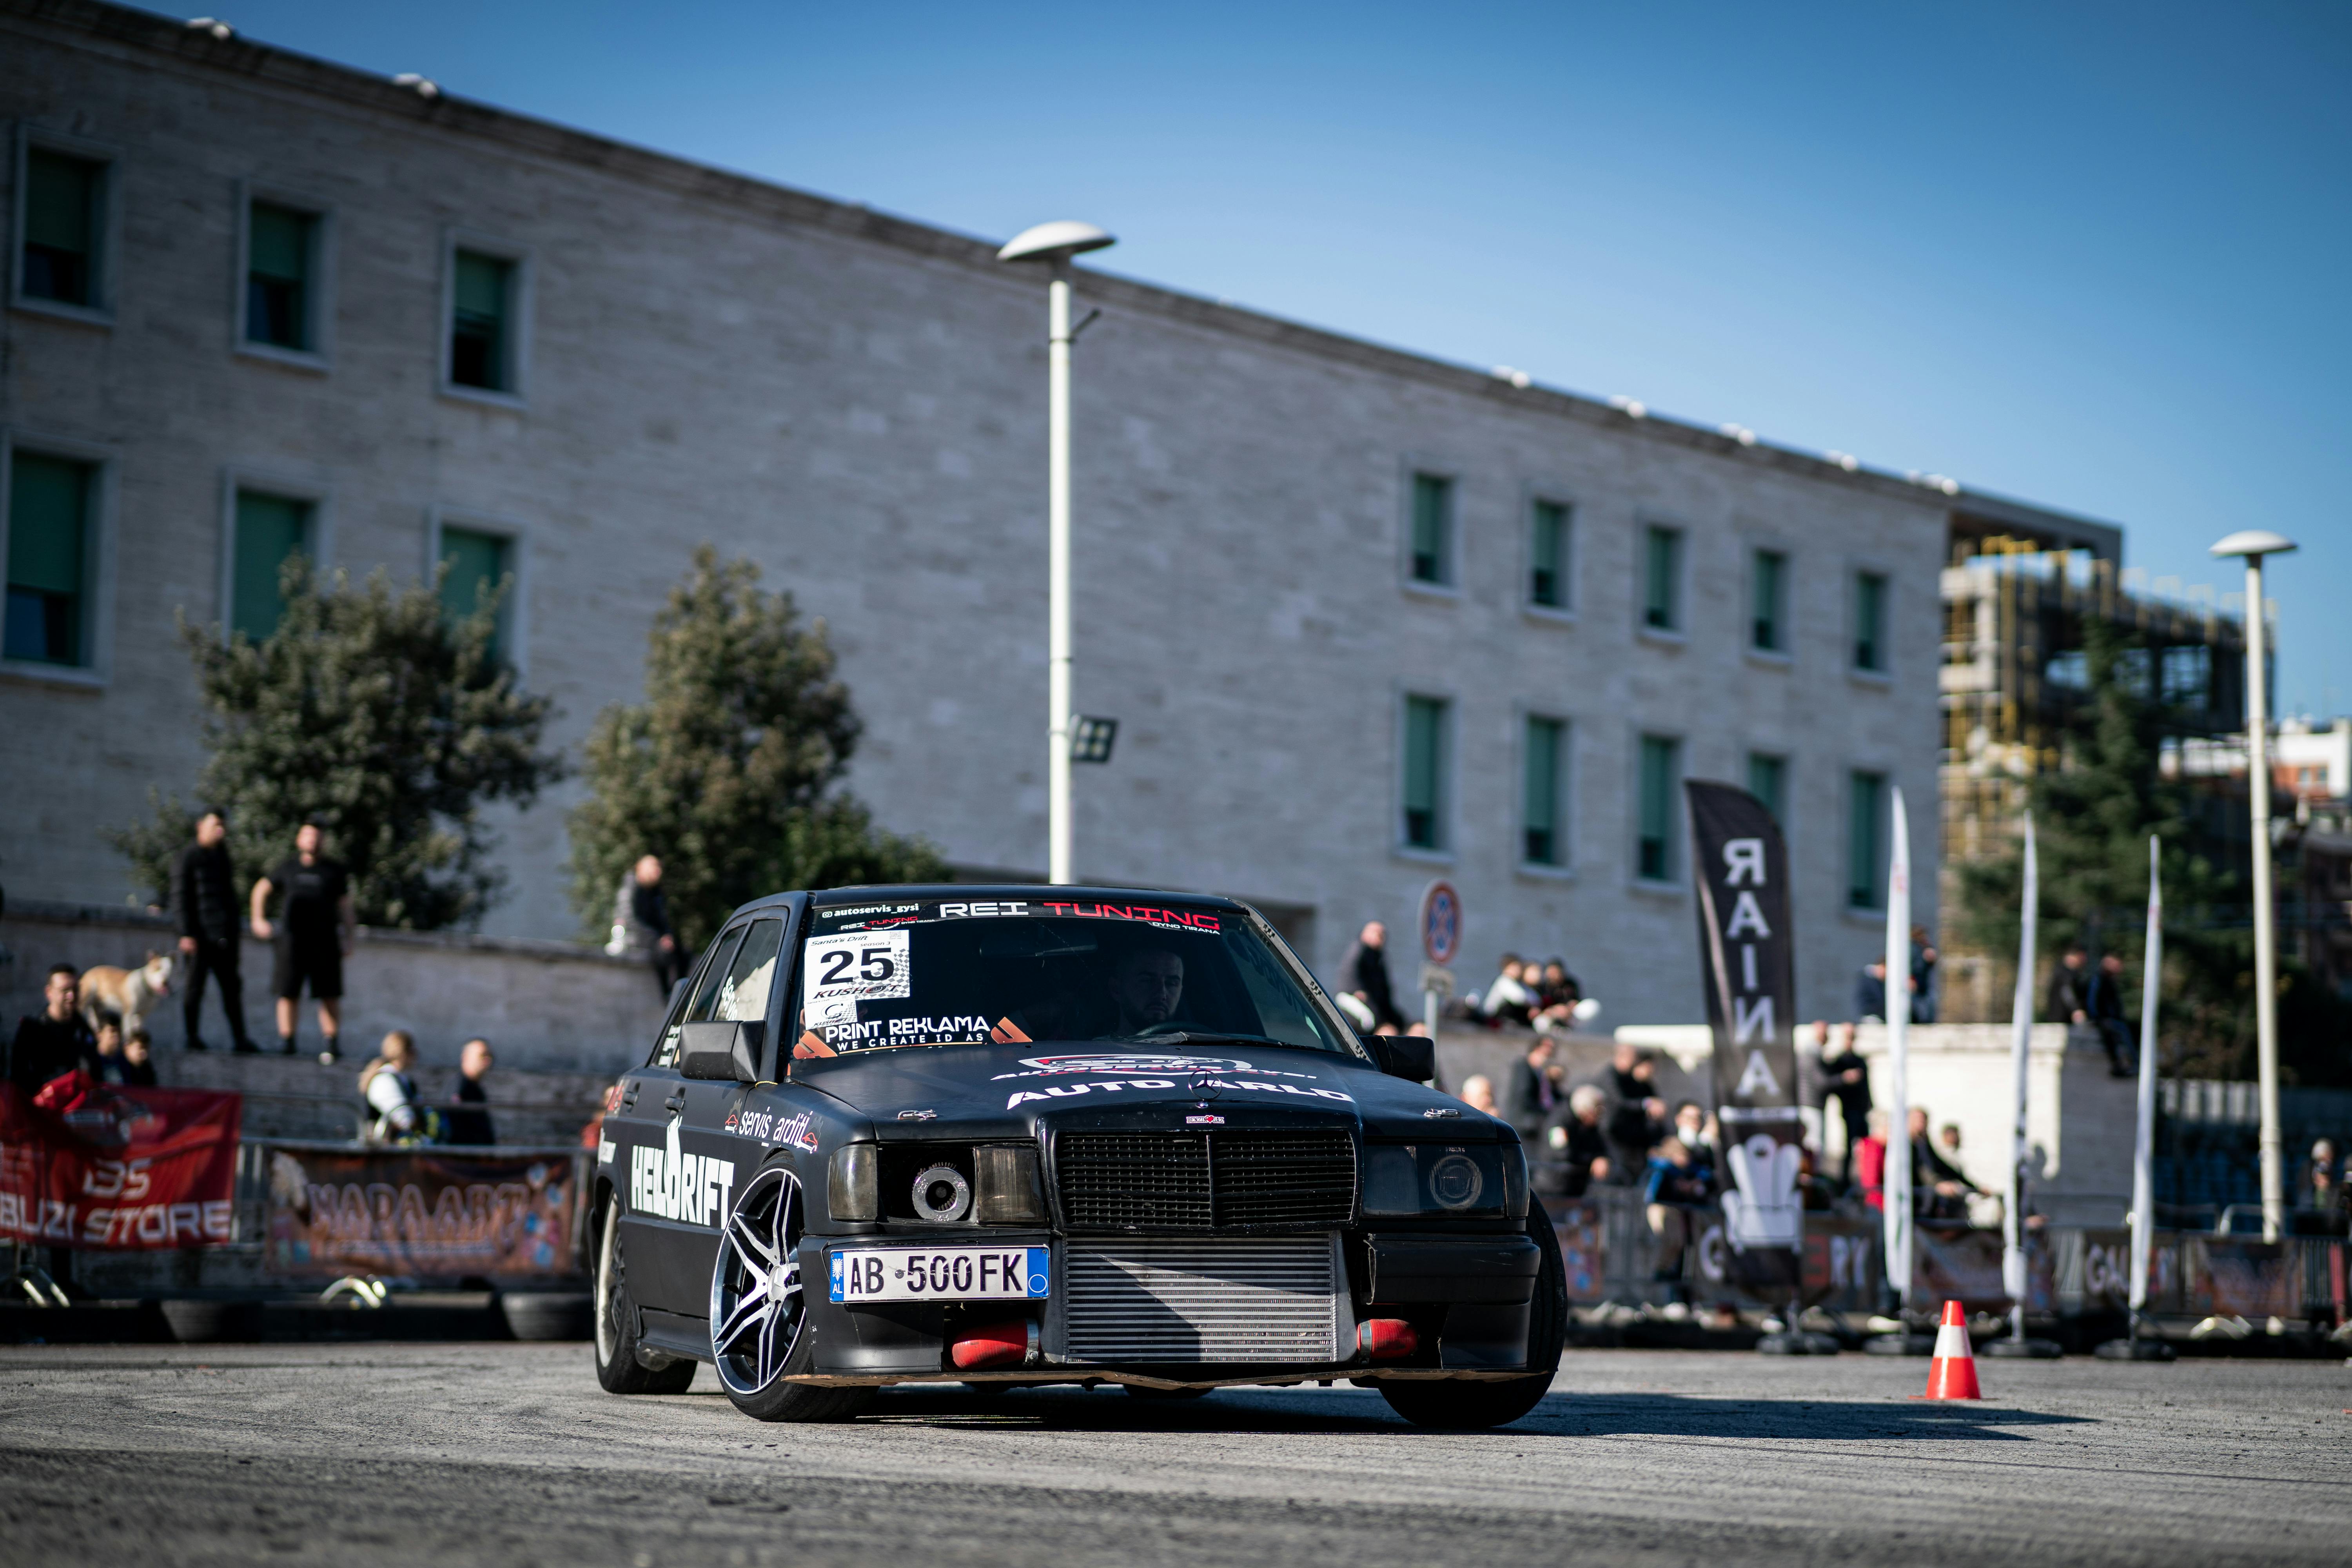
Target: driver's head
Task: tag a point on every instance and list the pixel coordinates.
(1146, 986)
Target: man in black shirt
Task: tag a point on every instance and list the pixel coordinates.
(466, 1123)
(54, 1040)
(204, 894)
(1365, 971)
(312, 933)
(641, 927)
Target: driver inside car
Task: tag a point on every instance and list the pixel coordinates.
(1146, 986)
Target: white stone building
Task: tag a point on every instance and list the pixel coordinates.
(1367, 618)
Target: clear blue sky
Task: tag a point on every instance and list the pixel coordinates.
(2095, 256)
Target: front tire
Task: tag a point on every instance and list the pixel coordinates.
(1475, 1406)
(617, 1366)
(759, 1330)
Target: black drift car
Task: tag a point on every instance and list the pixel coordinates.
(1042, 1134)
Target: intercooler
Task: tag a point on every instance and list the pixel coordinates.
(1207, 1298)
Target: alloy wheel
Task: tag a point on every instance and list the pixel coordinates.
(756, 1307)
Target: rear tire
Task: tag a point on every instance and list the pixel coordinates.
(1475, 1406)
(617, 1367)
(759, 1313)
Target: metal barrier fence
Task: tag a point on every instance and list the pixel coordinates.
(1613, 1255)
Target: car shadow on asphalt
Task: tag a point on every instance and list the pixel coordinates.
(1564, 1415)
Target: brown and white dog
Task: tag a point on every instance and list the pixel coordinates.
(126, 994)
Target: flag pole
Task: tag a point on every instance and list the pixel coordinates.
(2020, 1044)
(2143, 1221)
(1897, 1197)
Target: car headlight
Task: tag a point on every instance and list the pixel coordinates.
(852, 1187)
(1482, 1181)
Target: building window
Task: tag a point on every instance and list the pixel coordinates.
(268, 530)
(1433, 529)
(1425, 764)
(1865, 841)
(50, 538)
(281, 263)
(1768, 781)
(481, 321)
(63, 227)
(1543, 807)
(1661, 566)
(1548, 556)
(1653, 848)
(1769, 631)
(478, 565)
(1870, 621)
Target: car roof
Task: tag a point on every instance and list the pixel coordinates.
(1033, 892)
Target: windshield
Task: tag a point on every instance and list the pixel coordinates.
(895, 972)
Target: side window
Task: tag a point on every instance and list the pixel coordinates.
(703, 997)
(750, 975)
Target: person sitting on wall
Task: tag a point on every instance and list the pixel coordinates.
(402, 1118)
(1507, 999)
(1939, 1188)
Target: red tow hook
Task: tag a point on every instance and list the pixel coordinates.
(1386, 1339)
(1011, 1343)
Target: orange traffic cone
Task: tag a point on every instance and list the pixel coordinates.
(1953, 1374)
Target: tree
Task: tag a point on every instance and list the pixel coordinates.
(728, 770)
(371, 712)
(2092, 816)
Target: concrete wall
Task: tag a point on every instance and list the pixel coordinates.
(544, 1005)
(857, 403)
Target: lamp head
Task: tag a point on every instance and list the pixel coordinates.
(2255, 542)
(1055, 241)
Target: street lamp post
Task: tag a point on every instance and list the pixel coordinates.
(2253, 544)
(1054, 244)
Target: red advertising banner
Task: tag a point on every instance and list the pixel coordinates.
(118, 1169)
(423, 1213)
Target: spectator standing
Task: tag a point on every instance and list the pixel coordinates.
(54, 1040)
(1536, 1087)
(2323, 1179)
(1636, 1115)
(641, 928)
(467, 1123)
(1870, 992)
(2102, 1003)
(138, 1059)
(203, 898)
(1923, 976)
(1575, 1146)
(2069, 1000)
(1677, 1184)
(1870, 1163)
(313, 934)
(1365, 971)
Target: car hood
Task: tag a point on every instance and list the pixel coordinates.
(1012, 1091)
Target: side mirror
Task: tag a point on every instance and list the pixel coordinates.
(726, 1053)
(1412, 1057)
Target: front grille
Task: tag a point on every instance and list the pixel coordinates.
(1201, 1298)
(1205, 1181)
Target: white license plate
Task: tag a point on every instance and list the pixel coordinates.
(940, 1274)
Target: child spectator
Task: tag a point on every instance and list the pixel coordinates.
(108, 1067)
(138, 1059)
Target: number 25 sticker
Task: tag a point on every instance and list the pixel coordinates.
(839, 972)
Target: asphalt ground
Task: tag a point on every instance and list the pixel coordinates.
(463, 1454)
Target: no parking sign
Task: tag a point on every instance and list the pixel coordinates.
(1441, 922)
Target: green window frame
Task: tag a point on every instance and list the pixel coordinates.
(1548, 556)
(1769, 585)
(1870, 621)
(1768, 781)
(50, 529)
(1426, 762)
(481, 320)
(1543, 805)
(1661, 569)
(270, 530)
(479, 562)
(1866, 840)
(281, 255)
(1654, 841)
(60, 257)
(1433, 529)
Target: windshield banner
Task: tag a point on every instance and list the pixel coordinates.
(420, 1212)
(112, 1169)
(1741, 867)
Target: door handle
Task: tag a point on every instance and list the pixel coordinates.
(676, 1101)
(629, 1094)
